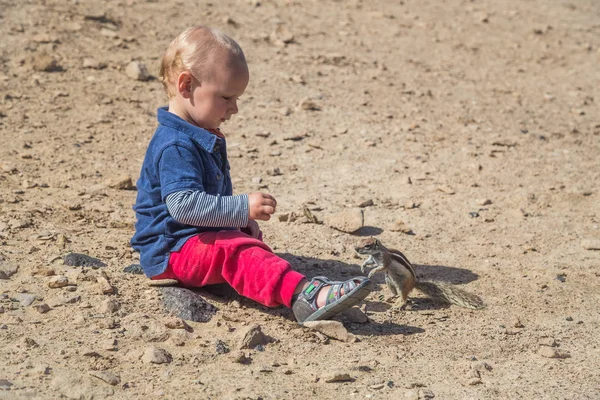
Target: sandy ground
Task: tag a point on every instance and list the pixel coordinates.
(474, 124)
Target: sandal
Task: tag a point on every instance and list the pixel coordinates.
(304, 304)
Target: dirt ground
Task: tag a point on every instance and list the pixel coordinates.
(468, 131)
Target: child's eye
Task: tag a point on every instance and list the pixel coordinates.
(227, 98)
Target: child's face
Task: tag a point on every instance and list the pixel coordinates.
(213, 101)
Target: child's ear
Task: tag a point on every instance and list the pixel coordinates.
(184, 84)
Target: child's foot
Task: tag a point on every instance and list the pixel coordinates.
(314, 303)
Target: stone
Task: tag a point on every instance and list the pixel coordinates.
(553, 352)
(186, 304)
(400, 226)
(25, 299)
(337, 376)
(42, 308)
(253, 336)
(591, 244)
(156, 355)
(349, 220)
(7, 269)
(241, 358)
(106, 376)
(93, 64)
(44, 62)
(58, 281)
(122, 183)
(221, 347)
(137, 70)
(134, 269)
(82, 260)
(109, 306)
(176, 323)
(332, 329)
(355, 315)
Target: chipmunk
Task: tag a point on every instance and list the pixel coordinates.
(400, 277)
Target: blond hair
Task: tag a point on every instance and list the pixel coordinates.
(194, 50)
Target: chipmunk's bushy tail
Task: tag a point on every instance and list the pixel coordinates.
(449, 293)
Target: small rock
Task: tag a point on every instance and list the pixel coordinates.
(553, 352)
(426, 394)
(518, 323)
(42, 308)
(82, 260)
(474, 381)
(221, 347)
(106, 376)
(308, 104)
(156, 355)
(93, 64)
(25, 299)
(332, 329)
(44, 63)
(58, 282)
(241, 358)
(5, 384)
(137, 70)
(7, 269)
(134, 269)
(446, 189)
(484, 202)
(401, 226)
(349, 220)
(366, 203)
(109, 306)
(355, 315)
(122, 183)
(337, 376)
(591, 244)
(109, 345)
(187, 304)
(254, 337)
(176, 323)
(550, 342)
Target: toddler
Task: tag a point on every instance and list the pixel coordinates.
(190, 227)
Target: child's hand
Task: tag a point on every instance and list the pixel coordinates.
(261, 206)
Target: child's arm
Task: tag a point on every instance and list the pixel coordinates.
(194, 207)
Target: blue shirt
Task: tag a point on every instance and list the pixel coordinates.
(181, 157)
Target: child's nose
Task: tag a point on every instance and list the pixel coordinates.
(234, 107)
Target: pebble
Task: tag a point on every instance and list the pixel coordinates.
(241, 358)
(93, 64)
(109, 306)
(7, 269)
(137, 70)
(337, 376)
(254, 336)
(187, 304)
(355, 315)
(591, 244)
(106, 376)
(221, 347)
(122, 183)
(176, 323)
(42, 308)
(366, 203)
(5, 384)
(58, 281)
(155, 355)
(308, 104)
(553, 352)
(401, 226)
(82, 260)
(332, 329)
(134, 269)
(44, 63)
(349, 220)
(25, 299)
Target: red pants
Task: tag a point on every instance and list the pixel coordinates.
(246, 264)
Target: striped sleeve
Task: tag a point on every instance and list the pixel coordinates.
(198, 208)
